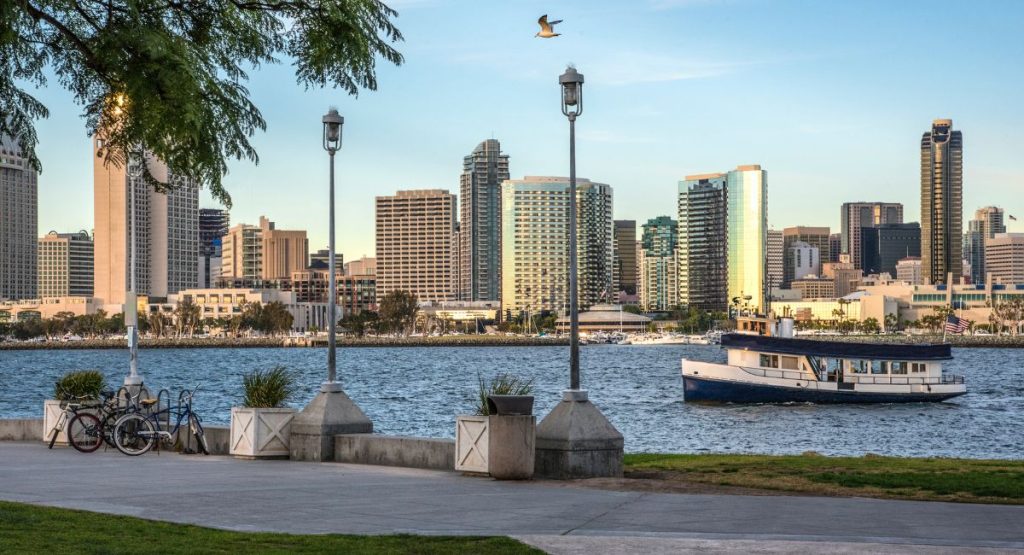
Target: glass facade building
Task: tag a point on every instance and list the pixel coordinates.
(942, 183)
(748, 234)
(479, 230)
(659, 289)
(887, 244)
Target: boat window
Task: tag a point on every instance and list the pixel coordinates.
(878, 367)
(860, 366)
(790, 363)
(917, 367)
(835, 365)
(769, 361)
(898, 367)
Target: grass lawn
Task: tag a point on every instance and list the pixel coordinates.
(32, 529)
(963, 480)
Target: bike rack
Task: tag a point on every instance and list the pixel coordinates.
(166, 395)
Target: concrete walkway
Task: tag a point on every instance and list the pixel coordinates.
(319, 498)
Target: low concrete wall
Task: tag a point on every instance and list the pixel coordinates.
(412, 452)
(21, 429)
(218, 439)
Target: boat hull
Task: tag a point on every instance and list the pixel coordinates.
(702, 389)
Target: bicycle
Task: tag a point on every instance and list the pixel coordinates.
(69, 414)
(91, 430)
(135, 434)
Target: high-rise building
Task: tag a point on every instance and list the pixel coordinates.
(909, 270)
(885, 245)
(414, 241)
(987, 222)
(703, 254)
(748, 235)
(483, 172)
(835, 247)
(535, 243)
(802, 260)
(19, 215)
(166, 231)
(776, 259)
(817, 237)
(658, 287)
(1004, 257)
(855, 216)
(626, 264)
(65, 265)
(322, 259)
(213, 226)
(264, 252)
(942, 185)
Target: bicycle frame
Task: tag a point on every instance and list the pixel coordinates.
(179, 414)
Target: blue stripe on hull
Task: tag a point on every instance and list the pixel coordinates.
(721, 391)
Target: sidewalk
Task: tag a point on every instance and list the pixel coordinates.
(296, 497)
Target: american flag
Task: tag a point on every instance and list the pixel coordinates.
(955, 325)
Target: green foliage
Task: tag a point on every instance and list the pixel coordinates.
(359, 323)
(79, 384)
(170, 75)
(268, 389)
(502, 384)
(870, 325)
(398, 311)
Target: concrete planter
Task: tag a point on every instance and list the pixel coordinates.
(51, 412)
(502, 447)
(260, 433)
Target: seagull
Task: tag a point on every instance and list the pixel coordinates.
(547, 28)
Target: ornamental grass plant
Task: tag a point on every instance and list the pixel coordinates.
(267, 389)
(79, 384)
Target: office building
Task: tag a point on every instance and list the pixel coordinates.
(776, 259)
(703, 254)
(814, 287)
(855, 216)
(658, 288)
(835, 247)
(1004, 257)
(483, 172)
(748, 235)
(166, 231)
(414, 241)
(845, 276)
(19, 215)
(626, 263)
(213, 226)
(885, 245)
(987, 222)
(263, 252)
(65, 265)
(817, 237)
(942, 184)
(802, 260)
(908, 270)
(535, 244)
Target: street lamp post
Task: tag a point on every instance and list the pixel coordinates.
(572, 106)
(134, 170)
(332, 143)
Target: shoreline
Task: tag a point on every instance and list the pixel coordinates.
(290, 342)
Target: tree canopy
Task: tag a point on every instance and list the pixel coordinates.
(169, 74)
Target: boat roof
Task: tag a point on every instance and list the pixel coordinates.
(838, 349)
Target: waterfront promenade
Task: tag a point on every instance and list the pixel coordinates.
(294, 497)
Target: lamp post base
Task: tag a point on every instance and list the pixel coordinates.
(330, 413)
(576, 441)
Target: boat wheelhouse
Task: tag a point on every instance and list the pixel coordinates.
(765, 369)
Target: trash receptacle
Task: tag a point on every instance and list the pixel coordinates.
(510, 405)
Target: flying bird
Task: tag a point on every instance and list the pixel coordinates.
(547, 29)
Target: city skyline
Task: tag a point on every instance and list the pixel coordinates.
(638, 99)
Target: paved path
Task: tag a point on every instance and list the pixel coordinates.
(317, 498)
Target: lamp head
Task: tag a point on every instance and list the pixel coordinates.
(572, 91)
(332, 130)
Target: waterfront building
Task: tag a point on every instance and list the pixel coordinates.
(221, 303)
(65, 265)
(845, 276)
(263, 252)
(855, 216)
(167, 231)
(626, 261)
(1004, 257)
(483, 172)
(460, 311)
(535, 244)
(814, 287)
(802, 260)
(414, 241)
(941, 202)
(213, 226)
(776, 259)
(606, 318)
(19, 216)
(703, 255)
(748, 234)
(658, 288)
(908, 270)
(885, 245)
(356, 292)
(817, 237)
(27, 309)
(987, 222)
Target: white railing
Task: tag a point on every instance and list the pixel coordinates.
(886, 379)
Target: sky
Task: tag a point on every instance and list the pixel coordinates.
(831, 98)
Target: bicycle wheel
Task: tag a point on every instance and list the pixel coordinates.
(197, 430)
(85, 433)
(107, 426)
(134, 434)
(58, 428)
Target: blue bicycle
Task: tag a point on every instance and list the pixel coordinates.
(137, 433)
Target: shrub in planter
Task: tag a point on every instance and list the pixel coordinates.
(499, 445)
(77, 385)
(261, 427)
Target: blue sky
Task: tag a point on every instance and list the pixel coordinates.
(830, 97)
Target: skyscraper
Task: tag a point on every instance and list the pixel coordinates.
(1004, 256)
(167, 232)
(414, 241)
(19, 215)
(857, 215)
(817, 237)
(703, 254)
(658, 284)
(65, 265)
(942, 184)
(835, 246)
(626, 256)
(748, 235)
(987, 222)
(483, 172)
(535, 243)
(213, 226)
(263, 252)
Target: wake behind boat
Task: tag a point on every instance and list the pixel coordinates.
(765, 369)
